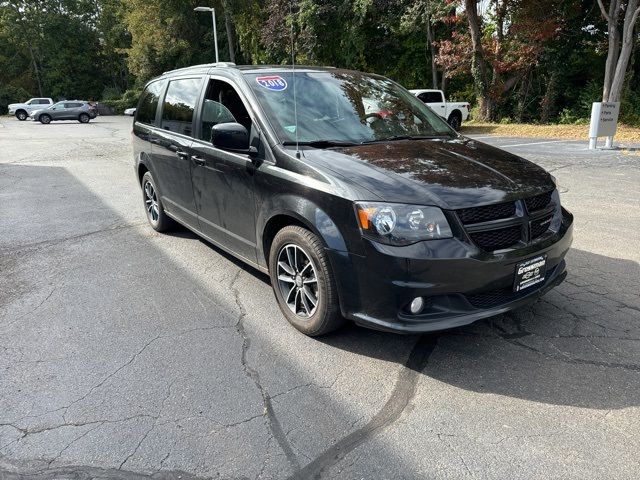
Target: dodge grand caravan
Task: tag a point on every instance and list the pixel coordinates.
(357, 200)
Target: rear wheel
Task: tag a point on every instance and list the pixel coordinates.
(46, 119)
(455, 120)
(303, 281)
(84, 118)
(156, 215)
(21, 115)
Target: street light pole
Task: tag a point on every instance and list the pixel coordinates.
(215, 31)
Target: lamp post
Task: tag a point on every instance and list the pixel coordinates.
(215, 33)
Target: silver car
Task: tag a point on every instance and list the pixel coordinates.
(66, 110)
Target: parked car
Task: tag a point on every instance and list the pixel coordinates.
(23, 110)
(66, 110)
(453, 112)
(130, 111)
(357, 199)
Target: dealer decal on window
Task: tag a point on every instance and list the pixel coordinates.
(274, 83)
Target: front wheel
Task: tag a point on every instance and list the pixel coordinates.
(45, 119)
(303, 281)
(156, 215)
(21, 115)
(84, 118)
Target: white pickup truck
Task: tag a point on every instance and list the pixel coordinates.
(453, 112)
(23, 110)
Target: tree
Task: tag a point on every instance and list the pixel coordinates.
(422, 17)
(621, 38)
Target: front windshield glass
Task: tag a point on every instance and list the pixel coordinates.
(343, 107)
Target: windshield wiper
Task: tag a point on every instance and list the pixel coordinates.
(322, 143)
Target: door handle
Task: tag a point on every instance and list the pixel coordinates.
(199, 161)
(182, 154)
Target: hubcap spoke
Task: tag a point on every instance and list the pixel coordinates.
(286, 278)
(290, 271)
(305, 304)
(308, 294)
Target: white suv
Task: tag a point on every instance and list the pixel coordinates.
(23, 110)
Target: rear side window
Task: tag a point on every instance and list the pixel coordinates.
(179, 105)
(42, 102)
(146, 111)
(431, 97)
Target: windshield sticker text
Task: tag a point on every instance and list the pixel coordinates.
(274, 83)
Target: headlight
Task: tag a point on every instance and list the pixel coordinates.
(396, 224)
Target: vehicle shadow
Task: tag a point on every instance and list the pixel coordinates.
(579, 345)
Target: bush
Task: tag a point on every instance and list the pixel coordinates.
(128, 99)
(569, 116)
(10, 94)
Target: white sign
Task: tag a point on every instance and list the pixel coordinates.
(604, 121)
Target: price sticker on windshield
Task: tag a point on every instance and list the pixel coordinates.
(274, 83)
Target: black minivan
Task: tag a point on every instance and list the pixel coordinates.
(355, 197)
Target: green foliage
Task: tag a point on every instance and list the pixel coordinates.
(128, 99)
(11, 94)
(550, 70)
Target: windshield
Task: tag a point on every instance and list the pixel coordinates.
(343, 107)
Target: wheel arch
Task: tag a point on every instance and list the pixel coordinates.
(456, 112)
(141, 169)
(286, 210)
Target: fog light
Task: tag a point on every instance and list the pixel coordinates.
(417, 304)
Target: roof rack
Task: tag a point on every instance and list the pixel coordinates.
(204, 65)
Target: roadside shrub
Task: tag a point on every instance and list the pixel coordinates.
(10, 94)
(128, 99)
(569, 116)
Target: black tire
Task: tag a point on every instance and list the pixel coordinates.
(21, 115)
(325, 315)
(455, 120)
(84, 118)
(157, 217)
(45, 119)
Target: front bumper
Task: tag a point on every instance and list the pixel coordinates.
(462, 284)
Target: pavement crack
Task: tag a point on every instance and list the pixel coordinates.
(402, 394)
(111, 375)
(272, 419)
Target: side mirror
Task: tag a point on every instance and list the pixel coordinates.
(233, 137)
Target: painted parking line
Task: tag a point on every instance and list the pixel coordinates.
(537, 143)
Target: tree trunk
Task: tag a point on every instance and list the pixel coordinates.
(231, 31)
(549, 99)
(614, 46)
(479, 67)
(432, 49)
(618, 54)
(630, 19)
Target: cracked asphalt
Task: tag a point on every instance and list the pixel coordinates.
(125, 354)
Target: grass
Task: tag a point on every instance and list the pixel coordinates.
(579, 132)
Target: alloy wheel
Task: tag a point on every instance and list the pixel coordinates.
(298, 280)
(151, 202)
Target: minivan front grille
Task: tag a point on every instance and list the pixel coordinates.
(504, 225)
(540, 226)
(538, 202)
(487, 213)
(497, 239)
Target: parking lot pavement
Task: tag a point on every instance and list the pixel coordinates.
(128, 354)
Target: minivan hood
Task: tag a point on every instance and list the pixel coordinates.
(450, 173)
